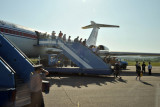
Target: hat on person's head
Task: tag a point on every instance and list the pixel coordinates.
(53, 32)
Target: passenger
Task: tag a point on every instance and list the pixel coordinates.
(60, 34)
(48, 36)
(143, 67)
(117, 69)
(53, 36)
(84, 42)
(69, 39)
(149, 68)
(90, 47)
(36, 87)
(80, 41)
(94, 49)
(76, 39)
(64, 37)
(138, 71)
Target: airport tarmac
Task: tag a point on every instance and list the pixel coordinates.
(104, 91)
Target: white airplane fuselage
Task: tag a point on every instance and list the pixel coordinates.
(26, 39)
(23, 38)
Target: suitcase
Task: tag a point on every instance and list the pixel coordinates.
(45, 86)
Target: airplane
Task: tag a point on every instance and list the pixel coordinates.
(104, 50)
(26, 39)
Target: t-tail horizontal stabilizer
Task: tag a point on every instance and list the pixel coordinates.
(93, 24)
(93, 36)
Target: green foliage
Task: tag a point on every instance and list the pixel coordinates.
(132, 63)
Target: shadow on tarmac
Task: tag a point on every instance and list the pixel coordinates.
(133, 73)
(79, 81)
(146, 83)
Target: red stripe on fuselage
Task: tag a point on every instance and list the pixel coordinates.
(19, 33)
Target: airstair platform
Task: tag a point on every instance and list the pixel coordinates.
(82, 56)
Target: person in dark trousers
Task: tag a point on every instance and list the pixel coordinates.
(117, 69)
(150, 68)
(136, 65)
(143, 67)
(36, 87)
(138, 71)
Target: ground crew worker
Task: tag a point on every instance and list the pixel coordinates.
(136, 65)
(117, 69)
(36, 86)
(149, 68)
(138, 71)
(143, 67)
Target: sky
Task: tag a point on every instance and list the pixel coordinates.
(139, 20)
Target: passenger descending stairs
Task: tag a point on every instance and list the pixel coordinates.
(79, 54)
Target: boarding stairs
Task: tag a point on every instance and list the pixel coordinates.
(19, 62)
(81, 55)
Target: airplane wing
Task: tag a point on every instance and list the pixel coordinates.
(133, 54)
(103, 53)
(106, 25)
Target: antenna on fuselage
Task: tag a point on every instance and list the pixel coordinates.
(93, 36)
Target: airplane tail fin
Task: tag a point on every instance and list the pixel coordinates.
(93, 36)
